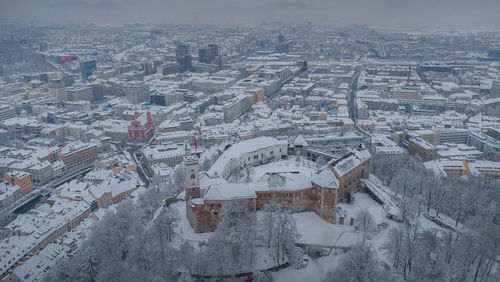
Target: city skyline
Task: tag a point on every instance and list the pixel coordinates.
(427, 14)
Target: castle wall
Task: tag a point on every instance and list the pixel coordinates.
(298, 200)
(323, 201)
(204, 218)
(349, 182)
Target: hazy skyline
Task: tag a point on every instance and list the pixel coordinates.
(460, 14)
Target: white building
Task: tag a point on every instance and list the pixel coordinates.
(137, 92)
(249, 152)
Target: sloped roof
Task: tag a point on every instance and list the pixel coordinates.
(326, 178)
(300, 141)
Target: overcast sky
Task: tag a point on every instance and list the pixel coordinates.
(385, 13)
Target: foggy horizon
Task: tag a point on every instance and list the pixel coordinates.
(405, 14)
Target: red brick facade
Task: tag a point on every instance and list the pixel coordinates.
(21, 178)
(349, 182)
(204, 214)
(204, 217)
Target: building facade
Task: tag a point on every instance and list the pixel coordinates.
(141, 128)
(137, 92)
(205, 197)
(21, 178)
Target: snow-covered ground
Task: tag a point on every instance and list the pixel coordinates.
(304, 167)
(314, 271)
(315, 231)
(184, 229)
(363, 201)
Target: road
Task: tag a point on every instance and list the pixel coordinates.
(351, 104)
(351, 99)
(49, 188)
(140, 170)
(7, 212)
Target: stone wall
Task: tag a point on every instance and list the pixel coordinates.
(298, 200)
(323, 201)
(204, 218)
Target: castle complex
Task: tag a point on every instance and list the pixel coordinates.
(272, 175)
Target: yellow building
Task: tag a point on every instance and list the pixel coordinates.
(423, 149)
(257, 94)
(487, 168)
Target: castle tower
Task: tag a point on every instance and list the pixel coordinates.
(192, 177)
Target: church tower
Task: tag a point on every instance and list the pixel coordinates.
(192, 177)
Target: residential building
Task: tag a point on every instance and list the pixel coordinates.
(77, 155)
(20, 178)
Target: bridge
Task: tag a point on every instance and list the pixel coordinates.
(384, 197)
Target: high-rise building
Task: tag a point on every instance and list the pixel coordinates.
(88, 67)
(188, 63)
(281, 38)
(58, 89)
(148, 68)
(214, 51)
(97, 92)
(181, 50)
(204, 56)
(183, 57)
(137, 92)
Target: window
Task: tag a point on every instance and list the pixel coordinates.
(215, 213)
(193, 176)
(271, 153)
(255, 157)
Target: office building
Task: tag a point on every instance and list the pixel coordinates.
(183, 57)
(236, 107)
(82, 93)
(137, 92)
(214, 51)
(204, 56)
(57, 88)
(88, 68)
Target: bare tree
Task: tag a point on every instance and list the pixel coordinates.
(90, 264)
(359, 264)
(364, 223)
(267, 224)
